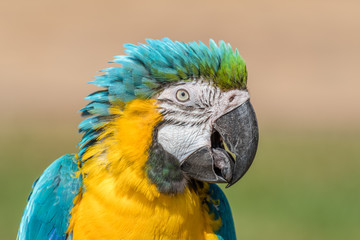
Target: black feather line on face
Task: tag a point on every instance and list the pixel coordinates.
(163, 169)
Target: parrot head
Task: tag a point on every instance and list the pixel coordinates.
(208, 128)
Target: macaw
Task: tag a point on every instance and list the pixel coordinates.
(171, 121)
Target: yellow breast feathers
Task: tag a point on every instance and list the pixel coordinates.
(119, 201)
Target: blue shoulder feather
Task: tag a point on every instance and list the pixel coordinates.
(219, 205)
(47, 213)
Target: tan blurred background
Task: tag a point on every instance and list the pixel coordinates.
(304, 80)
(302, 56)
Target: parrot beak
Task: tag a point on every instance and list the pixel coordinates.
(233, 147)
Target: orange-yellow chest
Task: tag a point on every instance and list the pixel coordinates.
(102, 213)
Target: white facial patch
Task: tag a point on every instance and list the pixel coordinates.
(181, 141)
(189, 110)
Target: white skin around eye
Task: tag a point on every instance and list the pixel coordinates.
(207, 104)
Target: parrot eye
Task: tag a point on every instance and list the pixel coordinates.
(182, 95)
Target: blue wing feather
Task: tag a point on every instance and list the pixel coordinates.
(219, 205)
(47, 213)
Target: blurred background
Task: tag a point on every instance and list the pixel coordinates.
(303, 63)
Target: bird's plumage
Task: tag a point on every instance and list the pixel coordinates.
(125, 182)
(47, 213)
(219, 206)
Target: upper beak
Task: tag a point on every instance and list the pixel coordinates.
(234, 144)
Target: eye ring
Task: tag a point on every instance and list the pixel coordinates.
(182, 95)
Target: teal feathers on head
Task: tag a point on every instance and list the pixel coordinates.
(147, 68)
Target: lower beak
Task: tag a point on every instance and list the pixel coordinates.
(234, 150)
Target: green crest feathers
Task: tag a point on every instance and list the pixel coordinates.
(148, 67)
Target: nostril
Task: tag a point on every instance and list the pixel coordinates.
(231, 98)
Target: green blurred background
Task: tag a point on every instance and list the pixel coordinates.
(303, 64)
